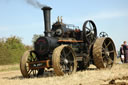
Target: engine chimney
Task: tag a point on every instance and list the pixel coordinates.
(47, 21)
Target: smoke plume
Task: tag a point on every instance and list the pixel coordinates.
(35, 3)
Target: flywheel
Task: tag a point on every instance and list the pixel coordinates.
(89, 31)
(104, 52)
(64, 60)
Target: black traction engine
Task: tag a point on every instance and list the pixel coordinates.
(66, 48)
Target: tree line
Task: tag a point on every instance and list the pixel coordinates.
(11, 50)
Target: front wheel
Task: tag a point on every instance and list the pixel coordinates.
(29, 56)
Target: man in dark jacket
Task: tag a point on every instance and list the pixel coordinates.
(121, 54)
(125, 52)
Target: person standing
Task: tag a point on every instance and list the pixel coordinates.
(125, 51)
(121, 54)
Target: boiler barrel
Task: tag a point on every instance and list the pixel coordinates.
(44, 45)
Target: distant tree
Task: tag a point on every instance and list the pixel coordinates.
(11, 49)
(27, 47)
(14, 43)
(3, 52)
(35, 37)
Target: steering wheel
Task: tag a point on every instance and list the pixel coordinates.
(89, 31)
(103, 34)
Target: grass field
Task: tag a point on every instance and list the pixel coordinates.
(10, 75)
(4, 68)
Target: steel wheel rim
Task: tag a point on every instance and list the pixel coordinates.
(67, 61)
(31, 58)
(104, 53)
(108, 51)
(64, 60)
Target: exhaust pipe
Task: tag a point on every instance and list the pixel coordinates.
(47, 21)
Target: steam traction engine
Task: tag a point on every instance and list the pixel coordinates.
(66, 49)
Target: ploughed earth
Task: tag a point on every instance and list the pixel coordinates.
(118, 75)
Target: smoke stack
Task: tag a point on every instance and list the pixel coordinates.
(47, 21)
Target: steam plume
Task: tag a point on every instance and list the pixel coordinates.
(35, 3)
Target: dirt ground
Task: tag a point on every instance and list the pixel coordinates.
(118, 75)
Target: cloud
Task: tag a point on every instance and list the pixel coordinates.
(103, 15)
(109, 15)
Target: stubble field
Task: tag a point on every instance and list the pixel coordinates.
(10, 75)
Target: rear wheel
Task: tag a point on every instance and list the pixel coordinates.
(64, 60)
(104, 53)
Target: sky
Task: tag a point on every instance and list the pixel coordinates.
(18, 18)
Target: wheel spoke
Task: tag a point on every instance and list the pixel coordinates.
(88, 29)
(103, 49)
(103, 53)
(29, 72)
(63, 52)
(62, 56)
(29, 60)
(110, 61)
(104, 44)
(69, 68)
(89, 34)
(71, 62)
(90, 26)
(111, 51)
(68, 53)
(105, 64)
(65, 69)
(62, 61)
(105, 61)
(34, 73)
(108, 44)
(104, 58)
